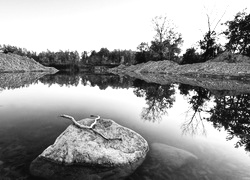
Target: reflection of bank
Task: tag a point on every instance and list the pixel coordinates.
(17, 80)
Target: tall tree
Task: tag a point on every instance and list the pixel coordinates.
(167, 41)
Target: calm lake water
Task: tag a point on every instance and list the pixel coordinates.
(213, 126)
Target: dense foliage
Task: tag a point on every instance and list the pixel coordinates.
(238, 34)
(191, 56)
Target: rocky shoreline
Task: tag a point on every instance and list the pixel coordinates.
(226, 72)
(221, 70)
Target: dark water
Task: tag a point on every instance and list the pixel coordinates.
(212, 125)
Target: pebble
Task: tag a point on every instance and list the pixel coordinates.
(1, 162)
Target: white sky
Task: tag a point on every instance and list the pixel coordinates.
(82, 25)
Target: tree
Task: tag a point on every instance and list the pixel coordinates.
(166, 41)
(143, 54)
(238, 34)
(208, 43)
(104, 52)
(191, 57)
(93, 53)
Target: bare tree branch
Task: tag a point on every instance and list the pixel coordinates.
(89, 127)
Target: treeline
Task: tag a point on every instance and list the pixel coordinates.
(90, 79)
(106, 57)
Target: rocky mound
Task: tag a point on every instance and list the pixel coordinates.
(229, 57)
(225, 65)
(15, 63)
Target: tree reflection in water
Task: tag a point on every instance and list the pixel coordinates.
(158, 98)
(197, 97)
(231, 112)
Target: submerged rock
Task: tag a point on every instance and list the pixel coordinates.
(171, 156)
(167, 162)
(89, 149)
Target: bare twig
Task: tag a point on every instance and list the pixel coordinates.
(89, 127)
(220, 18)
(78, 124)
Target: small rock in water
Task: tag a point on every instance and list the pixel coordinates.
(1, 162)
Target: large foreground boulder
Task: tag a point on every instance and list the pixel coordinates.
(108, 147)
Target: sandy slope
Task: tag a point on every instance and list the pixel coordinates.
(15, 63)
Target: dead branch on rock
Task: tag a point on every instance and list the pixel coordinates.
(88, 127)
(78, 124)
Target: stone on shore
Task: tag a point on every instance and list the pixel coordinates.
(86, 149)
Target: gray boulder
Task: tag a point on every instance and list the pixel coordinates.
(107, 145)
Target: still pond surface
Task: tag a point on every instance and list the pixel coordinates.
(213, 126)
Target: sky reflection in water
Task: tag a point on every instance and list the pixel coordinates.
(29, 121)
